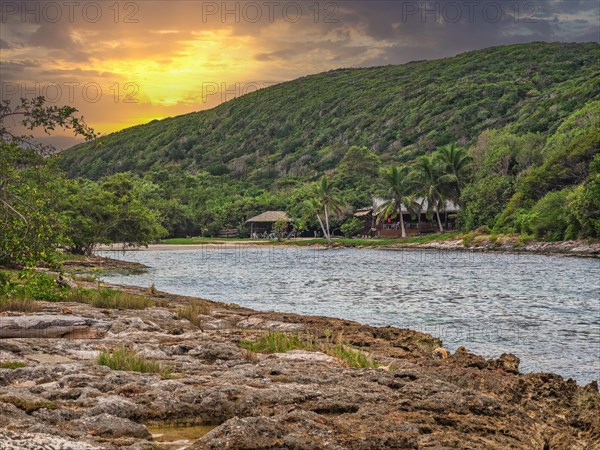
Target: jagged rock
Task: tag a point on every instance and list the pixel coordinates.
(109, 426)
(294, 400)
(48, 326)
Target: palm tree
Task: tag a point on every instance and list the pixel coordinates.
(399, 193)
(433, 184)
(328, 202)
(457, 163)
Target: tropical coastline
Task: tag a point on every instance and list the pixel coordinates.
(301, 380)
(482, 243)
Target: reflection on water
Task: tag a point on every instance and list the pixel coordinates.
(544, 309)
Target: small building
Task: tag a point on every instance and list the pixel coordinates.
(365, 215)
(414, 224)
(263, 223)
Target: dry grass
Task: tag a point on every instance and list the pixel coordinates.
(20, 303)
(108, 299)
(194, 313)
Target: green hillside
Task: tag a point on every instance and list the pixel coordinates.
(259, 151)
(398, 111)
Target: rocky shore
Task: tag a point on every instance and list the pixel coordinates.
(479, 243)
(582, 249)
(417, 397)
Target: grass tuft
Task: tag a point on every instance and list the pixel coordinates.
(128, 360)
(27, 405)
(108, 299)
(280, 342)
(12, 364)
(194, 313)
(19, 303)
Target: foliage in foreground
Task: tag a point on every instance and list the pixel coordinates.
(280, 342)
(129, 360)
(20, 294)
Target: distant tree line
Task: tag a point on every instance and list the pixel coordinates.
(539, 186)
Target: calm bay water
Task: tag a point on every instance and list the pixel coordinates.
(544, 309)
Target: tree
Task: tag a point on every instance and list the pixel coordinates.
(457, 163)
(109, 211)
(325, 200)
(30, 186)
(34, 113)
(432, 184)
(399, 193)
(30, 226)
(279, 229)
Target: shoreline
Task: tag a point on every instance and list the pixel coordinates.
(254, 399)
(582, 249)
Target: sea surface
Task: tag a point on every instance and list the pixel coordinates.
(544, 309)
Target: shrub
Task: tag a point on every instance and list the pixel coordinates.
(468, 238)
(548, 217)
(128, 360)
(40, 286)
(352, 227)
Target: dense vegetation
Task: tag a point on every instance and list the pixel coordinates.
(511, 133)
(525, 112)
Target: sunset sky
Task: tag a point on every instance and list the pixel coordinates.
(125, 63)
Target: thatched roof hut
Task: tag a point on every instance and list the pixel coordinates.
(264, 222)
(269, 217)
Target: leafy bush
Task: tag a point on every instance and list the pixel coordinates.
(352, 227)
(548, 217)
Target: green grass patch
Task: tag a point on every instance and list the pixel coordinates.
(129, 360)
(108, 299)
(352, 357)
(27, 405)
(12, 364)
(278, 342)
(281, 342)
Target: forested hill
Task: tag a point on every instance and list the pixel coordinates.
(298, 130)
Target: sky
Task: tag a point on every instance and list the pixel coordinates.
(123, 63)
